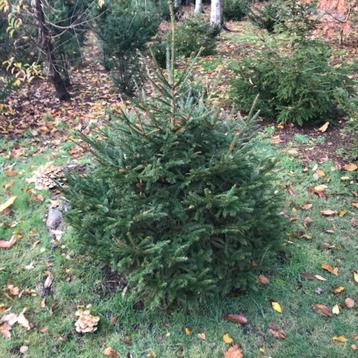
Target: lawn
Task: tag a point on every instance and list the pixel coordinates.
(302, 307)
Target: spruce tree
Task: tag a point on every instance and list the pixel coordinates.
(182, 202)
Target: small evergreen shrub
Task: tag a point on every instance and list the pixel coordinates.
(296, 87)
(268, 16)
(123, 29)
(182, 202)
(191, 36)
(236, 9)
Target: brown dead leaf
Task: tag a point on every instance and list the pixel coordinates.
(330, 269)
(323, 128)
(319, 190)
(234, 352)
(263, 280)
(307, 221)
(355, 204)
(8, 244)
(12, 290)
(10, 173)
(277, 332)
(349, 302)
(326, 246)
(48, 281)
(306, 206)
(351, 167)
(237, 318)
(328, 212)
(110, 352)
(322, 309)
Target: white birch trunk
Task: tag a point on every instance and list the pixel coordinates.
(216, 13)
(198, 7)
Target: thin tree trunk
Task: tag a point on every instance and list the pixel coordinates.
(46, 44)
(216, 13)
(198, 7)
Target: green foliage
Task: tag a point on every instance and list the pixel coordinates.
(123, 28)
(191, 36)
(182, 202)
(268, 16)
(297, 87)
(236, 9)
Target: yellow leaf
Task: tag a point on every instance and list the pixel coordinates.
(187, 331)
(330, 269)
(339, 289)
(320, 278)
(339, 339)
(350, 167)
(342, 212)
(7, 204)
(227, 339)
(335, 309)
(324, 127)
(276, 306)
(355, 276)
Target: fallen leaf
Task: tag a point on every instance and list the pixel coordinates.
(23, 349)
(349, 302)
(227, 339)
(326, 246)
(187, 331)
(8, 244)
(319, 189)
(276, 331)
(276, 306)
(354, 347)
(7, 204)
(234, 352)
(339, 339)
(10, 173)
(307, 221)
(306, 206)
(335, 309)
(12, 290)
(263, 280)
(355, 276)
(322, 309)
(328, 212)
(5, 329)
(339, 289)
(355, 204)
(308, 276)
(110, 352)
(237, 318)
(22, 320)
(323, 128)
(330, 269)
(48, 281)
(351, 167)
(201, 336)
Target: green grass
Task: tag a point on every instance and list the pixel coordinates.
(80, 281)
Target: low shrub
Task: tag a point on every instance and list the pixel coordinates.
(236, 9)
(297, 87)
(268, 16)
(123, 29)
(191, 36)
(185, 204)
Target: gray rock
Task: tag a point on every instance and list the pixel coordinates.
(54, 219)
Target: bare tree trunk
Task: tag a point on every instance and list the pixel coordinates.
(46, 45)
(198, 7)
(216, 13)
